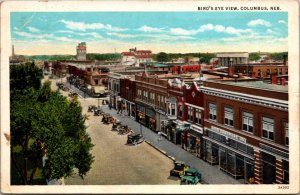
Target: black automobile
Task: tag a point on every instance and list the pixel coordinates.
(91, 108)
(135, 138)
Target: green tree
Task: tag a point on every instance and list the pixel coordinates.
(162, 57)
(254, 56)
(46, 124)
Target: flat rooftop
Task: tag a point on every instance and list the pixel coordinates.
(257, 85)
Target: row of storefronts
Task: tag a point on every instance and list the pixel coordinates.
(208, 126)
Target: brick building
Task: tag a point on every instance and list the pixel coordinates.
(261, 70)
(175, 111)
(151, 100)
(246, 130)
(127, 93)
(193, 114)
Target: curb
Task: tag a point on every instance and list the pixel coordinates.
(161, 151)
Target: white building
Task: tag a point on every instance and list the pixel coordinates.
(228, 58)
(134, 57)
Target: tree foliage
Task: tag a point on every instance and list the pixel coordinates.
(46, 124)
(162, 57)
(278, 56)
(254, 56)
(105, 56)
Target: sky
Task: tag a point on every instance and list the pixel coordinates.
(47, 33)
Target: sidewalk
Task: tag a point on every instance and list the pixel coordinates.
(210, 174)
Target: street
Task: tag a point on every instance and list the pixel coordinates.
(117, 163)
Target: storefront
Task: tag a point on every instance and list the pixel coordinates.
(130, 109)
(150, 119)
(194, 143)
(230, 152)
(275, 165)
(140, 113)
(161, 121)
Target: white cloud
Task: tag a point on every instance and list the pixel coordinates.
(210, 27)
(65, 39)
(32, 29)
(219, 28)
(259, 22)
(81, 26)
(150, 29)
(35, 36)
(120, 35)
(181, 31)
(206, 27)
(16, 28)
(281, 22)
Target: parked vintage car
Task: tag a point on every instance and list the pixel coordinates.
(91, 108)
(116, 125)
(179, 169)
(135, 138)
(191, 176)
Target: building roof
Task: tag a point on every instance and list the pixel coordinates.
(259, 85)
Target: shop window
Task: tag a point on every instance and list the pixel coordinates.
(248, 122)
(269, 170)
(228, 116)
(198, 116)
(190, 114)
(285, 172)
(268, 128)
(249, 177)
(286, 127)
(212, 112)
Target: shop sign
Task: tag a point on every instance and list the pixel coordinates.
(274, 151)
(228, 134)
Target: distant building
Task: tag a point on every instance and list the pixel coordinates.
(134, 57)
(81, 51)
(228, 58)
(13, 59)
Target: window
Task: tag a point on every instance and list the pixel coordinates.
(198, 116)
(228, 116)
(248, 122)
(268, 72)
(212, 112)
(158, 100)
(268, 128)
(190, 114)
(173, 109)
(259, 72)
(286, 127)
(181, 110)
